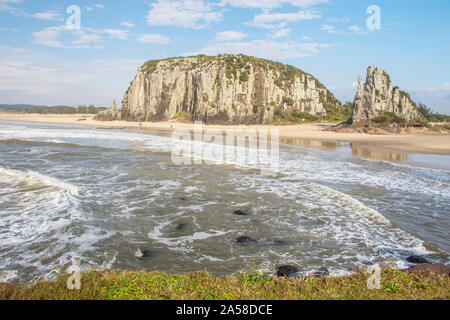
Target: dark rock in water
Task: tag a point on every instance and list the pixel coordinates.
(241, 213)
(286, 271)
(181, 226)
(182, 198)
(245, 240)
(146, 254)
(439, 269)
(417, 259)
(277, 242)
(322, 272)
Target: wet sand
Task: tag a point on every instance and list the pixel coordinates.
(398, 144)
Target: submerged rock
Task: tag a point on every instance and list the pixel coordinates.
(417, 259)
(286, 271)
(145, 254)
(245, 239)
(181, 226)
(277, 242)
(241, 213)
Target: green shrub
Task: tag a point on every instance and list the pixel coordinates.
(289, 101)
(392, 287)
(388, 118)
(278, 83)
(432, 116)
(305, 116)
(243, 77)
(279, 113)
(339, 114)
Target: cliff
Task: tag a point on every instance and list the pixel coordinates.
(224, 89)
(377, 96)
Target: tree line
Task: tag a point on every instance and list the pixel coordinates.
(432, 116)
(81, 109)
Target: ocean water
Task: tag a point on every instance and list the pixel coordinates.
(115, 200)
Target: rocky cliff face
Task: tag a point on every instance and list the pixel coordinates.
(225, 89)
(377, 95)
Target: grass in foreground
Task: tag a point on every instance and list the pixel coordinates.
(97, 285)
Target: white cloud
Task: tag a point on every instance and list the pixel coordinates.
(230, 36)
(306, 37)
(436, 97)
(357, 30)
(282, 33)
(47, 15)
(352, 30)
(6, 6)
(83, 38)
(49, 36)
(329, 29)
(65, 82)
(12, 50)
(194, 14)
(96, 6)
(268, 49)
(154, 38)
(117, 34)
(287, 17)
(128, 24)
(397, 24)
(271, 4)
(433, 89)
(336, 20)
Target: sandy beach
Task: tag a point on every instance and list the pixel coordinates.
(296, 134)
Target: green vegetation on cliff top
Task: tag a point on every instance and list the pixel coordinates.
(96, 285)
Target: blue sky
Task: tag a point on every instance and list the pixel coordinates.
(43, 62)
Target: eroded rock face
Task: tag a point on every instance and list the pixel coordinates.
(377, 95)
(111, 114)
(225, 89)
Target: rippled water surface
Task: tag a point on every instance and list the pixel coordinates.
(116, 200)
